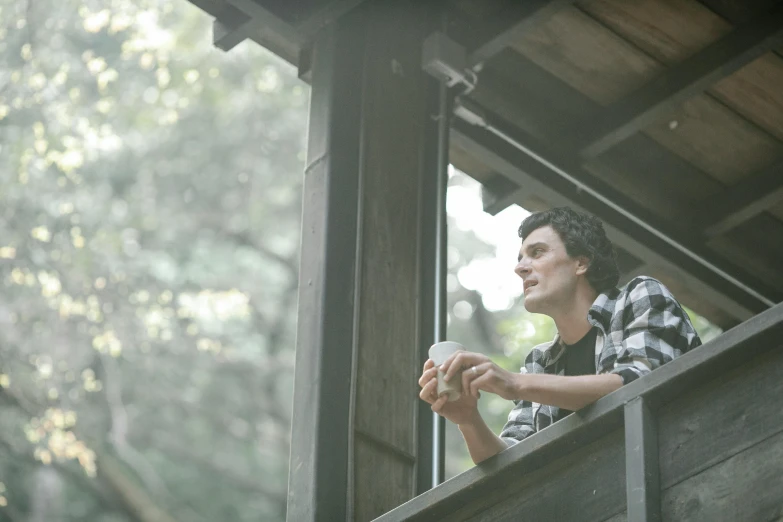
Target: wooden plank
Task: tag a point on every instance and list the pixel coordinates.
(283, 43)
(231, 29)
(739, 11)
(396, 126)
(466, 162)
(511, 19)
(777, 211)
(394, 117)
(585, 485)
(715, 139)
(723, 418)
(381, 480)
(643, 492)
(681, 82)
(358, 339)
(528, 96)
(325, 330)
(741, 202)
(497, 193)
(747, 486)
(269, 29)
(587, 56)
(756, 244)
(656, 179)
(477, 9)
(758, 335)
(754, 92)
(668, 30)
(651, 175)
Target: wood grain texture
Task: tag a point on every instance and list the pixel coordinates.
(756, 244)
(662, 182)
(734, 412)
(777, 210)
(587, 56)
(756, 92)
(587, 485)
(748, 486)
(393, 119)
(738, 11)
(381, 481)
(394, 115)
(715, 139)
(668, 30)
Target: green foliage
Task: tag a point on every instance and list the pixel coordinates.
(151, 196)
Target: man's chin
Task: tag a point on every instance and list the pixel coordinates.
(531, 304)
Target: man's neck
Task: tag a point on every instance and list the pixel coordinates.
(571, 322)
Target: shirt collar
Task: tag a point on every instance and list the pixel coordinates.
(600, 315)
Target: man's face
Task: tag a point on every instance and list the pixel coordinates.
(549, 274)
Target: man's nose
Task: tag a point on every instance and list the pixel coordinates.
(522, 268)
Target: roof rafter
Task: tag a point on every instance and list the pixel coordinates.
(741, 202)
(682, 81)
(495, 34)
(533, 175)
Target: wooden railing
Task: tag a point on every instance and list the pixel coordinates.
(700, 438)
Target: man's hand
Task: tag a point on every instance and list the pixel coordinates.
(480, 373)
(461, 412)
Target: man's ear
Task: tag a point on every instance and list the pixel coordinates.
(583, 263)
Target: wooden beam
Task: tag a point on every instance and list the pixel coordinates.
(265, 27)
(494, 35)
(741, 202)
(320, 18)
(294, 28)
(692, 76)
(358, 334)
(524, 169)
(231, 28)
(643, 489)
(325, 331)
(498, 193)
(625, 239)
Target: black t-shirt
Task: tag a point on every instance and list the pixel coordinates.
(579, 359)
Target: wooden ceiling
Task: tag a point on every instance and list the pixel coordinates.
(671, 109)
(675, 107)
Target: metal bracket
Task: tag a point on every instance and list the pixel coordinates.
(446, 60)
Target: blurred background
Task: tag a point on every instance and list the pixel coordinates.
(150, 199)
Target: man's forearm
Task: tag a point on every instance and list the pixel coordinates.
(481, 441)
(571, 393)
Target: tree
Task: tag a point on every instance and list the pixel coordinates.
(151, 190)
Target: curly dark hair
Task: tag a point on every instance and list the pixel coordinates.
(583, 235)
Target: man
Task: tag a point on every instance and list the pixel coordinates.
(607, 337)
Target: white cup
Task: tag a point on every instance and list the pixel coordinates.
(439, 352)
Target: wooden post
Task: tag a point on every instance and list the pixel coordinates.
(641, 463)
(355, 450)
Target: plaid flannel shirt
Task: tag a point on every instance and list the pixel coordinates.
(640, 327)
